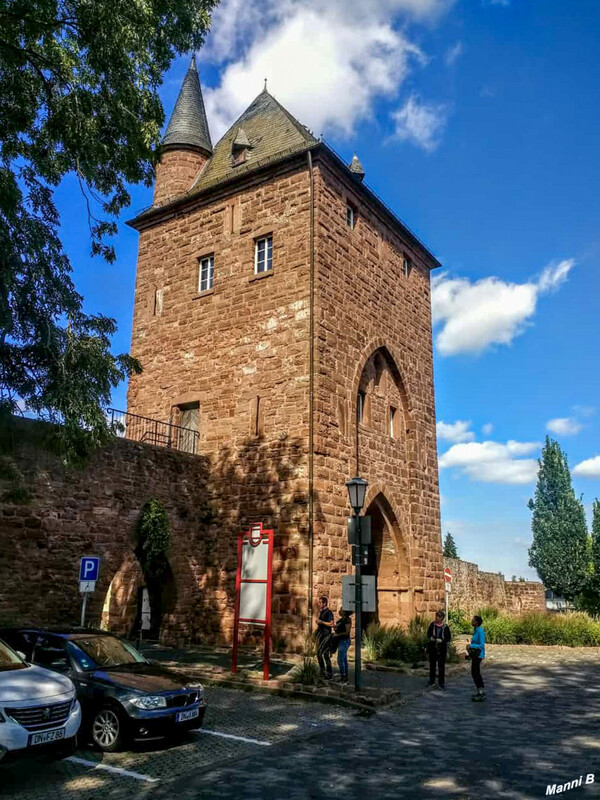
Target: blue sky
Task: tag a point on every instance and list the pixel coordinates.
(477, 121)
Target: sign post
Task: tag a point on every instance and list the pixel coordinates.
(253, 587)
(447, 587)
(88, 575)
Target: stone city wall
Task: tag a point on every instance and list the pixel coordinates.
(472, 589)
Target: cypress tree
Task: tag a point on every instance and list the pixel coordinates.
(560, 549)
(450, 550)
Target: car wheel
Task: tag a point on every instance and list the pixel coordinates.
(107, 729)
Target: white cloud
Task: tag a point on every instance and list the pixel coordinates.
(453, 53)
(590, 468)
(474, 316)
(420, 123)
(325, 60)
(564, 426)
(487, 429)
(455, 431)
(493, 462)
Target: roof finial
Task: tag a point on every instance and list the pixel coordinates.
(265, 89)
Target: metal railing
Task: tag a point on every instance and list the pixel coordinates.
(152, 431)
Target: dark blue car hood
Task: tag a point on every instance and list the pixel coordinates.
(149, 678)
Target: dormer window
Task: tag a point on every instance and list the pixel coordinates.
(239, 148)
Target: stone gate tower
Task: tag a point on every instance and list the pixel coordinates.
(282, 310)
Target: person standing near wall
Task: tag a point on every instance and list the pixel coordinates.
(325, 625)
(341, 642)
(439, 637)
(476, 651)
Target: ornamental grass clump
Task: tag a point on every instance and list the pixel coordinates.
(500, 630)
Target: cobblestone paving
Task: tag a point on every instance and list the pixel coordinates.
(539, 726)
(253, 716)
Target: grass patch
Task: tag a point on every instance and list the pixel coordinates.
(396, 646)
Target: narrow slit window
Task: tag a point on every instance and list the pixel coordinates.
(361, 406)
(392, 420)
(206, 273)
(406, 266)
(263, 255)
(350, 215)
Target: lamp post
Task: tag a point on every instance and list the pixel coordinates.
(357, 490)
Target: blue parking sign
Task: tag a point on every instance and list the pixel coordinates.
(88, 571)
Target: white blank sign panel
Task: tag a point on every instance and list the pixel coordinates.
(253, 600)
(255, 562)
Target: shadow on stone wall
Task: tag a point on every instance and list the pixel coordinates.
(94, 511)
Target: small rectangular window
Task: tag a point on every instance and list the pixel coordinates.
(392, 417)
(263, 255)
(361, 406)
(350, 216)
(406, 266)
(206, 273)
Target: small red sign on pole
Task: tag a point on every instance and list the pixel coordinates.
(253, 587)
(447, 575)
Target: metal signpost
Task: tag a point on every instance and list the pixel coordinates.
(448, 587)
(88, 575)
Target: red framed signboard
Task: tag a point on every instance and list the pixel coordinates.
(253, 584)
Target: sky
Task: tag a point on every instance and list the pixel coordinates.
(477, 122)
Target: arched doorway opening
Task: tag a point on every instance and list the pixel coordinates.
(386, 562)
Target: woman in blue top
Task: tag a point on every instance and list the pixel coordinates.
(476, 650)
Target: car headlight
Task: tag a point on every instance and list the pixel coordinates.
(196, 687)
(74, 704)
(148, 702)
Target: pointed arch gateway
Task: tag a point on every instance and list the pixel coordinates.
(389, 562)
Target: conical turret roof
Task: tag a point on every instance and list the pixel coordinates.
(188, 125)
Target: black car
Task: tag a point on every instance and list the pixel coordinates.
(123, 696)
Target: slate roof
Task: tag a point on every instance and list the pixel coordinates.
(188, 124)
(271, 131)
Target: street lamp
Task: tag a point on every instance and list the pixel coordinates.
(357, 490)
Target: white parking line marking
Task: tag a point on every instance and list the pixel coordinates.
(96, 765)
(231, 736)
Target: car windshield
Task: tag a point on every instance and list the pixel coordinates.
(103, 651)
(9, 659)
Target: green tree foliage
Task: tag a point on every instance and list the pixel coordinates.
(153, 539)
(78, 94)
(560, 549)
(450, 546)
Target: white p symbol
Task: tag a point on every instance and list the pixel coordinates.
(88, 567)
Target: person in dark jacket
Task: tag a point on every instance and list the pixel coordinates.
(325, 625)
(438, 635)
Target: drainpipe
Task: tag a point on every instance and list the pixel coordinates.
(311, 385)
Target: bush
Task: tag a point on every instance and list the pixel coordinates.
(459, 622)
(500, 630)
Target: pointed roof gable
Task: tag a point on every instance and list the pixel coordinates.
(271, 132)
(188, 125)
(356, 168)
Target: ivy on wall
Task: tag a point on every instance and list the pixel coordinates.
(153, 539)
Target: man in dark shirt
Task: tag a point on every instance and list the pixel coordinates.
(325, 625)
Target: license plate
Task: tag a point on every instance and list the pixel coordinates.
(46, 736)
(182, 716)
